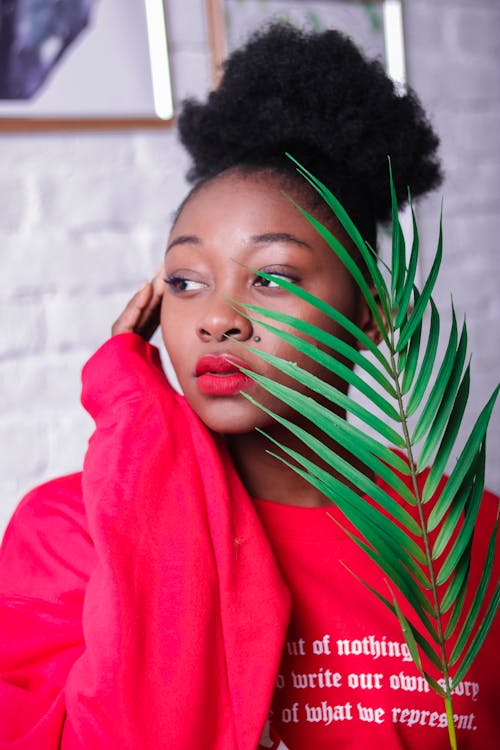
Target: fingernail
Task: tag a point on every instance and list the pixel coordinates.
(143, 285)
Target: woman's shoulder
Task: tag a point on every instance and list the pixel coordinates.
(47, 547)
(59, 498)
(64, 489)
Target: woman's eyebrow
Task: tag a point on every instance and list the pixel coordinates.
(184, 239)
(270, 237)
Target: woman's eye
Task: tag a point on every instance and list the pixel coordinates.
(270, 284)
(181, 284)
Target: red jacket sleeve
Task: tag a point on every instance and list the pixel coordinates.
(184, 614)
(45, 562)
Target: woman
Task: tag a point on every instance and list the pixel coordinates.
(185, 591)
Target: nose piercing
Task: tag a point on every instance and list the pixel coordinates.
(256, 338)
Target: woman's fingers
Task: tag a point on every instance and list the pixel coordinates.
(149, 319)
(131, 315)
(142, 313)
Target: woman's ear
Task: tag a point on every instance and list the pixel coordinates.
(367, 322)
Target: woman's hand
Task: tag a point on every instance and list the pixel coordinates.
(142, 313)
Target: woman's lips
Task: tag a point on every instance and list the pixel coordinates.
(218, 375)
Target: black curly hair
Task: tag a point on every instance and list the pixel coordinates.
(317, 97)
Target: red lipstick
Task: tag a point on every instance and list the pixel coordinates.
(218, 375)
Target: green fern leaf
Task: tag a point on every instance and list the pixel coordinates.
(427, 365)
(468, 625)
(466, 458)
(423, 542)
(403, 299)
(411, 363)
(342, 347)
(422, 642)
(479, 637)
(437, 392)
(449, 437)
(418, 312)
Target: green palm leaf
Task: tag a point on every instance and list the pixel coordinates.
(342, 347)
(423, 542)
(449, 437)
(472, 614)
(426, 366)
(452, 518)
(375, 455)
(418, 637)
(337, 368)
(340, 399)
(456, 610)
(330, 312)
(411, 360)
(407, 284)
(421, 304)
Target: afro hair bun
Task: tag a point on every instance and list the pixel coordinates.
(316, 96)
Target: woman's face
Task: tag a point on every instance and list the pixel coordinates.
(232, 224)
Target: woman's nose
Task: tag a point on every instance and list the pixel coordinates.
(222, 320)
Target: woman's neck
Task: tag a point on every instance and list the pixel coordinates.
(267, 478)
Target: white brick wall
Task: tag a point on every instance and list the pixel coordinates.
(453, 50)
(83, 219)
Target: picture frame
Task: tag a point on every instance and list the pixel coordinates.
(113, 74)
(375, 25)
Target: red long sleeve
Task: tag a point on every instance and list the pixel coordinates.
(45, 561)
(184, 612)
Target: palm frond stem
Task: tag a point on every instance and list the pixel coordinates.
(426, 542)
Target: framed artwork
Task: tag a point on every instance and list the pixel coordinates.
(374, 25)
(84, 64)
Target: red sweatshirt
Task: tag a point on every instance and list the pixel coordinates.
(143, 608)
(347, 680)
(153, 615)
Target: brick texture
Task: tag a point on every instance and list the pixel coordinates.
(84, 217)
(453, 56)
